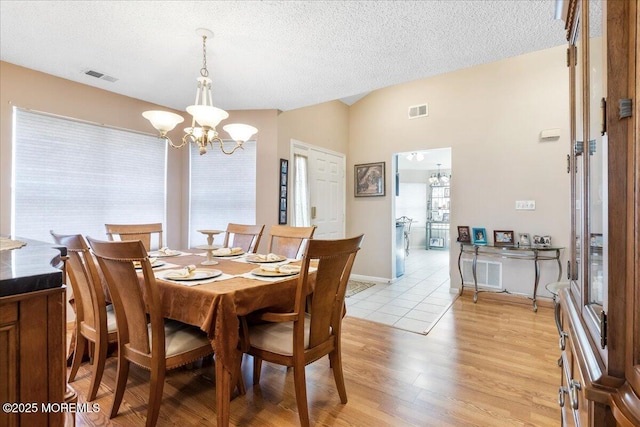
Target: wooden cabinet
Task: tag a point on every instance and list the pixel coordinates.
(32, 338)
(600, 310)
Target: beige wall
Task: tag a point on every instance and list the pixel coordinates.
(25, 88)
(491, 116)
(324, 125)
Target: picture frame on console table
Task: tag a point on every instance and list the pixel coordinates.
(479, 235)
(524, 239)
(436, 242)
(464, 234)
(503, 237)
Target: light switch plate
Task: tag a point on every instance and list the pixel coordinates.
(525, 205)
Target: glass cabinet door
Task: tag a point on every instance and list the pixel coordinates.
(596, 164)
(575, 160)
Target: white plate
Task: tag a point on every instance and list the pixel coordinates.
(226, 255)
(197, 275)
(264, 273)
(154, 265)
(157, 254)
(254, 259)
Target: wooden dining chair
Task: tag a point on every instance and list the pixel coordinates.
(165, 344)
(243, 236)
(136, 232)
(95, 320)
(289, 241)
(303, 336)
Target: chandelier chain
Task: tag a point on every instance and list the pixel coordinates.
(204, 72)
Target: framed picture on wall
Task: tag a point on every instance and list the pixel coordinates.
(369, 179)
(282, 199)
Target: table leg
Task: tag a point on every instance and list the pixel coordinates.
(223, 394)
(460, 270)
(536, 281)
(559, 265)
(475, 277)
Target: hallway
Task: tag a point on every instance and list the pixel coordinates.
(416, 301)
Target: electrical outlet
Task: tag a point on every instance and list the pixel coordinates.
(525, 205)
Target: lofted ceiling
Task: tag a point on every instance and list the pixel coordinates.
(268, 54)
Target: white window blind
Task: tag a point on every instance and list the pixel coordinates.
(73, 177)
(222, 190)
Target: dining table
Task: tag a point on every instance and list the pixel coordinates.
(216, 304)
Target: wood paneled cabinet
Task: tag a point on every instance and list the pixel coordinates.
(33, 386)
(32, 358)
(600, 310)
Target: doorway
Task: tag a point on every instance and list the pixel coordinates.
(422, 210)
(318, 190)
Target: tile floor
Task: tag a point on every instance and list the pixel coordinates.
(414, 302)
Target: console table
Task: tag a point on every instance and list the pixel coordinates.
(532, 253)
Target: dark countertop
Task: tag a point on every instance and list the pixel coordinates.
(34, 267)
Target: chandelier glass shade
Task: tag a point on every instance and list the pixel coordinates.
(206, 117)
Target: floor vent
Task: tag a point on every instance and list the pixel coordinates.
(416, 111)
(100, 76)
(489, 273)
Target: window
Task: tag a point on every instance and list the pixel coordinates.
(73, 177)
(301, 217)
(222, 190)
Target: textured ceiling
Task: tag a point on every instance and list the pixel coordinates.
(268, 54)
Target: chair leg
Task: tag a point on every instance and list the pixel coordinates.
(237, 380)
(92, 352)
(78, 353)
(300, 382)
(156, 385)
(336, 363)
(257, 368)
(99, 358)
(121, 383)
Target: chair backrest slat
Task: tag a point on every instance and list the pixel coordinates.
(289, 241)
(243, 236)
(140, 232)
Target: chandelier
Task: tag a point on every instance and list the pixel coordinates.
(205, 116)
(439, 179)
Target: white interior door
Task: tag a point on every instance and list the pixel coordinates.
(326, 184)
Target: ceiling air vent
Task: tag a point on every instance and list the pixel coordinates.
(416, 111)
(100, 76)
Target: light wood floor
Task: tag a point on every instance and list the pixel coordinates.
(487, 364)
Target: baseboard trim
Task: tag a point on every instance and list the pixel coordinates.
(508, 298)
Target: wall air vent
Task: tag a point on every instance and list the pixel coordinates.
(489, 273)
(100, 76)
(416, 111)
